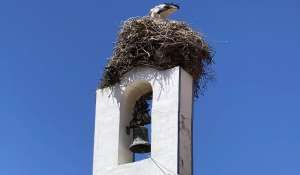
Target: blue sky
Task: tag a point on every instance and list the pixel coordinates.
(52, 54)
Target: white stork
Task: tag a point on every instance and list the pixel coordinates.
(164, 10)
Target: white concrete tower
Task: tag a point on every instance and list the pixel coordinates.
(171, 124)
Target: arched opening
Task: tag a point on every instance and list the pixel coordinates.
(135, 123)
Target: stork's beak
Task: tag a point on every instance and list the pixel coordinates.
(175, 6)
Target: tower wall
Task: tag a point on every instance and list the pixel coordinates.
(171, 144)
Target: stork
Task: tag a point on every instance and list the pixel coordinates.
(163, 11)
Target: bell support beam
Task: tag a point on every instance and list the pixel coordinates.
(171, 125)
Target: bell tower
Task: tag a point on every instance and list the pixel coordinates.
(171, 124)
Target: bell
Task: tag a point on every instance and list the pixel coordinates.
(140, 142)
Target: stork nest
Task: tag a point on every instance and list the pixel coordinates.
(144, 41)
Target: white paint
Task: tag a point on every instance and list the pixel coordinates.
(171, 143)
